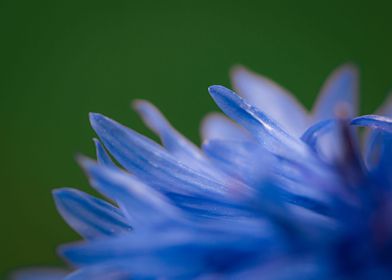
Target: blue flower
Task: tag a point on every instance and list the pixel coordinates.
(280, 193)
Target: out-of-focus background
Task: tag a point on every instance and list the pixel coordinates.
(60, 60)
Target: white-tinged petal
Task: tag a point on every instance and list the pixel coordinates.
(218, 126)
(340, 92)
(270, 98)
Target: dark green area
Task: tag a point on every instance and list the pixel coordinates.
(60, 60)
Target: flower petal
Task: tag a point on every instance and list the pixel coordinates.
(378, 145)
(325, 138)
(249, 159)
(143, 205)
(112, 271)
(373, 138)
(218, 126)
(175, 143)
(169, 255)
(150, 162)
(340, 90)
(89, 216)
(270, 98)
(172, 140)
(102, 156)
(313, 133)
(263, 128)
(374, 121)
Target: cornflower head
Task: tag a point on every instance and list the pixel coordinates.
(275, 192)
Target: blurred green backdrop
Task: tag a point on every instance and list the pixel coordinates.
(63, 59)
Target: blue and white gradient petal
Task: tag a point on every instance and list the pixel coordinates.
(275, 192)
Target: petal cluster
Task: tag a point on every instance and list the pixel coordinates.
(274, 192)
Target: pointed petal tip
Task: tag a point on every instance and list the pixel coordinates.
(218, 90)
(93, 115)
(138, 104)
(226, 97)
(238, 69)
(85, 162)
(97, 143)
(62, 195)
(239, 72)
(349, 68)
(65, 250)
(144, 108)
(340, 89)
(95, 118)
(103, 125)
(57, 193)
(213, 88)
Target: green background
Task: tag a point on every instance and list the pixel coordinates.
(60, 60)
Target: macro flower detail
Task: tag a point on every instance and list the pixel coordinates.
(275, 192)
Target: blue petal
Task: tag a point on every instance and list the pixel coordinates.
(344, 154)
(218, 126)
(263, 128)
(295, 157)
(374, 121)
(112, 271)
(172, 253)
(384, 150)
(142, 204)
(256, 167)
(172, 140)
(142, 268)
(175, 143)
(373, 138)
(89, 216)
(248, 158)
(150, 162)
(339, 92)
(287, 268)
(324, 137)
(187, 188)
(270, 98)
(313, 133)
(379, 155)
(102, 156)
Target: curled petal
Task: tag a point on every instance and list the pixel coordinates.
(378, 154)
(373, 138)
(374, 121)
(324, 138)
(313, 133)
